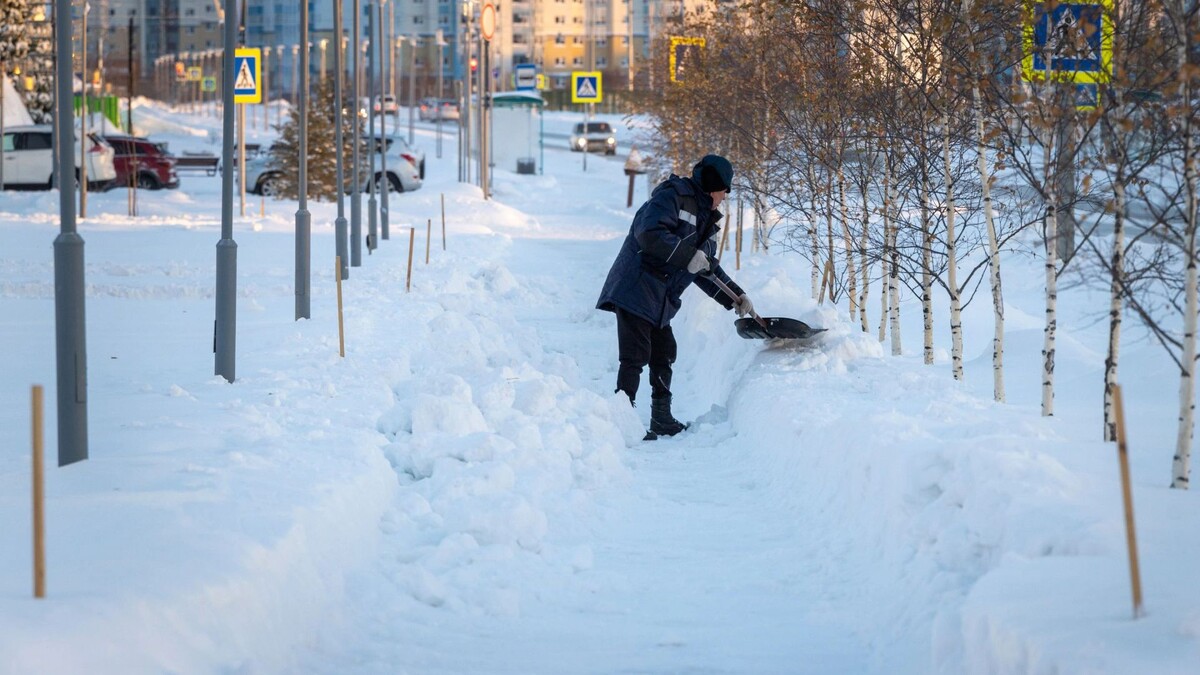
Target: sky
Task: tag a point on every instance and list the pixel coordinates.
(464, 493)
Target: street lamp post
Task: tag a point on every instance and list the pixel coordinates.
(412, 72)
(382, 51)
(266, 86)
(371, 47)
(303, 217)
(356, 143)
(69, 333)
(339, 225)
(279, 73)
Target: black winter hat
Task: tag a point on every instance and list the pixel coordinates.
(714, 173)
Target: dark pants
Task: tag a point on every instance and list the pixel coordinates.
(641, 343)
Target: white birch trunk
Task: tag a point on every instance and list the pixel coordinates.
(1115, 305)
(863, 241)
(985, 178)
(848, 245)
(829, 230)
(1051, 233)
(926, 265)
(812, 235)
(956, 344)
(1181, 466)
(894, 270)
(884, 276)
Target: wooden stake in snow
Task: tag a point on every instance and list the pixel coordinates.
(443, 221)
(39, 518)
(428, 237)
(337, 274)
(1135, 576)
(412, 239)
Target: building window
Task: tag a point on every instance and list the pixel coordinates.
(560, 61)
(601, 62)
(418, 20)
(602, 42)
(576, 19)
(578, 61)
(559, 19)
(559, 39)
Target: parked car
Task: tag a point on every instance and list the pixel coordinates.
(405, 170)
(596, 137)
(29, 158)
(433, 109)
(387, 105)
(147, 163)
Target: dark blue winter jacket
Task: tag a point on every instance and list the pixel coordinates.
(650, 273)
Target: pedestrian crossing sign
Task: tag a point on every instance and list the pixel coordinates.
(1069, 41)
(586, 87)
(247, 75)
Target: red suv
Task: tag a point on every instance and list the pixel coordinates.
(149, 162)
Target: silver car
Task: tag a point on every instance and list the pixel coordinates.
(405, 170)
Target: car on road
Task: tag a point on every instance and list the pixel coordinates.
(143, 162)
(387, 104)
(594, 137)
(434, 109)
(29, 158)
(405, 170)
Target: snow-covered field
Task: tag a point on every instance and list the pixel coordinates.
(462, 493)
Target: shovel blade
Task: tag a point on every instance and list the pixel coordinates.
(776, 328)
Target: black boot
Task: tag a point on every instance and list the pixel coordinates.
(662, 423)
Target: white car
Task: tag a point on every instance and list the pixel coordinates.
(29, 158)
(405, 170)
(434, 109)
(597, 136)
(387, 105)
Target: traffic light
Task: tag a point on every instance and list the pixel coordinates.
(474, 64)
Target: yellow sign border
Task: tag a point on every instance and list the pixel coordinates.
(676, 41)
(577, 75)
(1106, 46)
(195, 73)
(256, 54)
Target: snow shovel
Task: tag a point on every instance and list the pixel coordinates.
(755, 327)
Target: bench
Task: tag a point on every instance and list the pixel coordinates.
(197, 162)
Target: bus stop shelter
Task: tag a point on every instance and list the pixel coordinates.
(517, 131)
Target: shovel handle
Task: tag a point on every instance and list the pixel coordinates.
(733, 296)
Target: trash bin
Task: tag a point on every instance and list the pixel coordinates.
(526, 165)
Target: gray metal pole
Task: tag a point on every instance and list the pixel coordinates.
(441, 47)
(303, 217)
(383, 51)
(3, 80)
(373, 144)
(340, 224)
(69, 320)
(356, 142)
(225, 338)
(412, 78)
(83, 115)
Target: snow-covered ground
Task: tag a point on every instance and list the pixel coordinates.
(462, 493)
